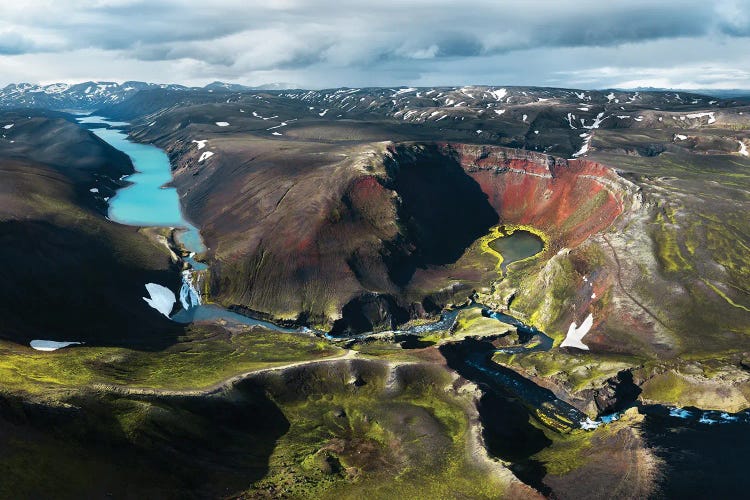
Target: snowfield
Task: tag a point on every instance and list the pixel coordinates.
(161, 298)
(205, 156)
(50, 345)
(576, 333)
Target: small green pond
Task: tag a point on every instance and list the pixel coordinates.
(516, 245)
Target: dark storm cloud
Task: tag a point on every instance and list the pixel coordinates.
(240, 38)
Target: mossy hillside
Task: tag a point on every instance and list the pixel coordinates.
(206, 355)
(546, 294)
(711, 384)
(612, 461)
(93, 444)
(383, 433)
(577, 372)
(472, 323)
(699, 229)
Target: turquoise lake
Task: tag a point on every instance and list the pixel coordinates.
(146, 201)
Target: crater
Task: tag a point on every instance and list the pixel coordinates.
(391, 231)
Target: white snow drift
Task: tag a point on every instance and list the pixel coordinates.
(576, 333)
(161, 298)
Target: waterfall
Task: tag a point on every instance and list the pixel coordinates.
(189, 296)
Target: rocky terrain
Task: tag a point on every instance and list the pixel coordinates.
(369, 210)
(69, 273)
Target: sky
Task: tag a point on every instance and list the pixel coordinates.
(587, 44)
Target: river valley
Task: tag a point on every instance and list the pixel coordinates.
(148, 201)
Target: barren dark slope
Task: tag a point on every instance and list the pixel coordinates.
(304, 209)
(69, 273)
(299, 227)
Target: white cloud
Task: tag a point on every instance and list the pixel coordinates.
(585, 43)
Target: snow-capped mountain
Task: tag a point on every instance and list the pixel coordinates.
(79, 96)
(93, 95)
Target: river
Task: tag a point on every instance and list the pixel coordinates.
(149, 201)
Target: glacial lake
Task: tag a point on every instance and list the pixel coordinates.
(146, 201)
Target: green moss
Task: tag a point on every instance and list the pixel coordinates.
(208, 355)
(471, 322)
(410, 444)
(668, 250)
(667, 387)
(574, 450)
(579, 371)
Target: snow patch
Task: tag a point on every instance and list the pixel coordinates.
(610, 96)
(498, 94)
(94, 190)
(743, 149)
(711, 116)
(9, 126)
(222, 124)
(499, 111)
(585, 146)
(576, 333)
(50, 345)
(161, 298)
(597, 121)
(680, 137)
(276, 133)
(205, 156)
(403, 91)
(571, 117)
(201, 144)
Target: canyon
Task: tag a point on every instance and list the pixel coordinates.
(358, 224)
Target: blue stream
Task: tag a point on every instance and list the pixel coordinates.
(148, 202)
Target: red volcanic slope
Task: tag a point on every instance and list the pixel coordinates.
(568, 199)
(300, 234)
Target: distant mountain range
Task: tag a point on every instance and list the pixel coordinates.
(91, 95)
(720, 93)
(94, 95)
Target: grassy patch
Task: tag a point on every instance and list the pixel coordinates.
(579, 371)
(354, 442)
(206, 356)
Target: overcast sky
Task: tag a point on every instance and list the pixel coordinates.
(332, 43)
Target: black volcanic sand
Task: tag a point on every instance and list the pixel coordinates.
(67, 273)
